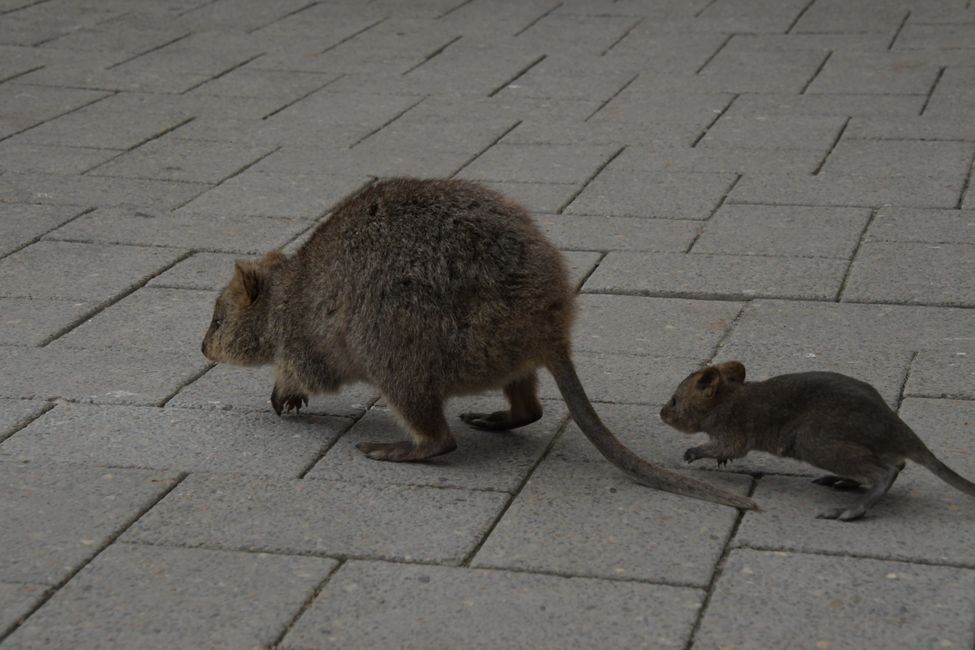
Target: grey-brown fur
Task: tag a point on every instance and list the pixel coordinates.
(425, 289)
(829, 420)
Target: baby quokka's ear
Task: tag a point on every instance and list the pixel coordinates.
(248, 278)
(732, 371)
(708, 382)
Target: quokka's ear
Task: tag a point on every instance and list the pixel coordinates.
(732, 371)
(708, 381)
(272, 259)
(249, 278)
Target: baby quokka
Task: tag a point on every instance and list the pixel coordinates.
(829, 420)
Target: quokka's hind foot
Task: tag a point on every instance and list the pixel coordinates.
(406, 450)
(838, 483)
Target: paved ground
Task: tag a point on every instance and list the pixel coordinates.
(786, 182)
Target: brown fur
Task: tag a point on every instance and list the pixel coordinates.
(425, 289)
(826, 419)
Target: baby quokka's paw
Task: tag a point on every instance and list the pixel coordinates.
(282, 401)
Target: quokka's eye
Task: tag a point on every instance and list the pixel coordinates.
(672, 403)
(217, 322)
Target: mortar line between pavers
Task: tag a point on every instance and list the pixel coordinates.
(354, 420)
(856, 251)
(47, 232)
(589, 180)
(191, 379)
(717, 117)
(452, 9)
(388, 122)
(155, 136)
(857, 556)
(21, 74)
(27, 421)
(432, 55)
(612, 97)
(903, 386)
(897, 32)
(966, 183)
(619, 40)
(25, 6)
(247, 166)
(726, 334)
(203, 5)
(150, 50)
(704, 222)
(536, 20)
(815, 74)
(298, 99)
(719, 568)
(305, 605)
(348, 38)
(485, 149)
(222, 73)
(53, 589)
(280, 18)
(109, 93)
(699, 12)
(802, 12)
(466, 562)
(937, 79)
(518, 75)
(595, 267)
(714, 54)
(111, 301)
(836, 141)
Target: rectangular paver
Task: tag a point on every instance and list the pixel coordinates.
(943, 373)
(916, 273)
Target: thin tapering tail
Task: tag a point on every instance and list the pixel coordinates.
(609, 445)
(927, 458)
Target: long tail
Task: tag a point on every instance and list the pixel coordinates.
(927, 458)
(639, 470)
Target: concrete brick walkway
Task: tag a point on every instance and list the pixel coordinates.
(786, 182)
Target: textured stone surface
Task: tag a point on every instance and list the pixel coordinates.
(384, 522)
(943, 373)
(24, 222)
(32, 322)
(918, 273)
(221, 599)
(14, 413)
(374, 604)
(58, 516)
(16, 602)
(844, 601)
(930, 226)
(669, 195)
(129, 436)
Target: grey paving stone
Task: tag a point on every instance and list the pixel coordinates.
(247, 235)
(249, 389)
(577, 34)
(60, 189)
(573, 77)
(677, 110)
(467, 71)
(847, 190)
(588, 519)
(103, 376)
(483, 460)
(246, 16)
(651, 326)
(661, 51)
(59, 516)
(25, 106)
(946, 160)
(922, 37)
(260, 194)
(868, 73)
(929, 226)
(176, 159)
(95, 126)
(21, 223)
(779, 230)
(74, 271)
(845, 328)
(220, 598)
(668, 195)
(782, 71)
(183, 439)
(326, 108)
(774, 131)
(717, 157)
(843, 601)
(823, 41)
(26, 157)
(132, 33)
(917, 273)
(394, 522)
(373, 604)
(570, 232)
(199, 271)
(538, 163)
(751, 16)
(870, 106)
(717, 276)
(581, 264)
(943, 373)
(623, 379)
(32, 322)
(363, 161)
(16, 602)
(14, 413)
(910, 127)
(537, 197)
(837, 16)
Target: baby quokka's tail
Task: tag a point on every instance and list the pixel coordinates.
(926, 457)
(639, 470)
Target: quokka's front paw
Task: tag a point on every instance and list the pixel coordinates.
(282, 401)
(692, 454)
